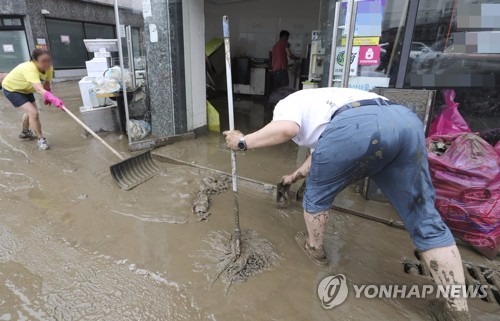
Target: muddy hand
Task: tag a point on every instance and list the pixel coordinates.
(289, 179)
(282, 195)
(232, 138)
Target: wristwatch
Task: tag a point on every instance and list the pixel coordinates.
(242, 145)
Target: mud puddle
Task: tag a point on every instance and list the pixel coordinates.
(75, 247)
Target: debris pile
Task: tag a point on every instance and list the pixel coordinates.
(212, 185)
(438, 147)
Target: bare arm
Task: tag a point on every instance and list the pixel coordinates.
(290, 54)
(304, 169)
(300, 173)
(39, 88)
(274, 133)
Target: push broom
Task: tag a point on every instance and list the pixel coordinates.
(239, 256)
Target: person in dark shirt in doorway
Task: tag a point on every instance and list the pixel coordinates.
(280, 54)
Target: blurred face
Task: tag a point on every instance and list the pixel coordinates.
(44, 62)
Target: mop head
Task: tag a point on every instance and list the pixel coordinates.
(257, 255)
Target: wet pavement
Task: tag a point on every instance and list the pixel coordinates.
(73, 246)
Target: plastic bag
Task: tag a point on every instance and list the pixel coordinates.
(116, 74)
(104, 85)
(466, 178)
(138, 129)
(450, 121)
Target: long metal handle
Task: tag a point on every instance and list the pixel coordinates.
(352, 7)
(229, 82)
(130, 51)
(122, 68)
(93, 133)
(333, 53)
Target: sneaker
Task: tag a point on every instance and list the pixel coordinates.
(27, 134)
(42, 144)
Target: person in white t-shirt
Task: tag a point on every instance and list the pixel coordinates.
(354, 134)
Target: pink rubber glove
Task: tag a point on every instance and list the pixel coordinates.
(48, 96)
(46, 102)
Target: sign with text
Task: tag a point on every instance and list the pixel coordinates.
(65, 39)
(368, 83)
(369, 55)
(368, 18)
(340, 61)
(8, 48)
(363, 41)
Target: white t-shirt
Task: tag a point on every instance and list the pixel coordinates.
(312, 109)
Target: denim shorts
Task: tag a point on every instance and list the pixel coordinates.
(18, 99)
(385, 143)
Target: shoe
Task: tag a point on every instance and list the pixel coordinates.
(42, 144)
(317, 256)
(27, 134)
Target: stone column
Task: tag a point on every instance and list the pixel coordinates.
(165, 68)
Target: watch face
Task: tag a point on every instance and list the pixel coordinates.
(241, 145)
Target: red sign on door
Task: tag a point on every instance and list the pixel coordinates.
(369, 55)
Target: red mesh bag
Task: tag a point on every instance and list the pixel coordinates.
(466, 176)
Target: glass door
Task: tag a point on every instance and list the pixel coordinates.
(13, 44)
(371, 33)
(13, 49)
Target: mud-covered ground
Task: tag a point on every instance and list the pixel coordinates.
(73, 246)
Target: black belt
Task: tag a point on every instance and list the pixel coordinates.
(361, 103)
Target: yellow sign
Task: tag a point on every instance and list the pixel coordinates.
(363, 41)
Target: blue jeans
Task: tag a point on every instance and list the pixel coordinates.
(386, 143)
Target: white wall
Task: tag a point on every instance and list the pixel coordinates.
(255, 25)
(194, 58)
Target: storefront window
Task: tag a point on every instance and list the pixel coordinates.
(13, 49)
(99, 31)
(456, 45)
(378, 36)
(66, 43)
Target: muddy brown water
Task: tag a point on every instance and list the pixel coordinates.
(73, 246)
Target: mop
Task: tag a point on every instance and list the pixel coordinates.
(242, 255)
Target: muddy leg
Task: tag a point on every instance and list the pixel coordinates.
(316, 225)
(446, 268)
(33, 118)
(26, 122)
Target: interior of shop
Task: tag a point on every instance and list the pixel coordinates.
(417, 45)
(255, 28)
(421, 50)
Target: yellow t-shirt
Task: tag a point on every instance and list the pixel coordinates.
(21, 78)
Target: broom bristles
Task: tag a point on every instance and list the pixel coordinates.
(257, 255)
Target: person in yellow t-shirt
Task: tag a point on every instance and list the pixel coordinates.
(19, 86)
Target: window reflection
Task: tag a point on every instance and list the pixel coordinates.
(456, 44)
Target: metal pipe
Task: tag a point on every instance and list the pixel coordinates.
(130, 51)
(122, 67)
(229, 82)
(352, 7)
(407, 39)
(333, 53)
(402, 21)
